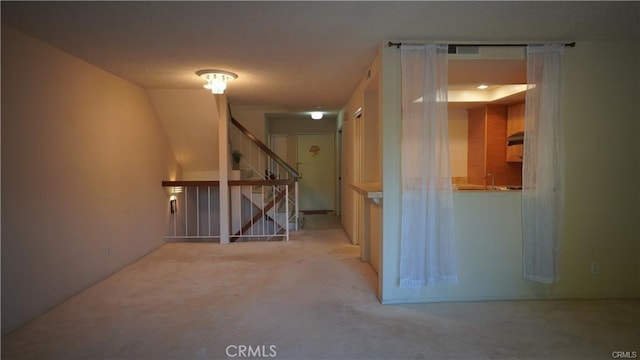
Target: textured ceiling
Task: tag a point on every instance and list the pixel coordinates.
(296, 55)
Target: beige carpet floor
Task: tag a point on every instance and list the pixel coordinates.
(320, 221)
(309, 298)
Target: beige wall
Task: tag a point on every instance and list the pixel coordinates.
(290, 128)
(254, 118)
(361, 163)
(349, 166)
(602, 123)
(83, 156)
(600, 115)
(304, 125)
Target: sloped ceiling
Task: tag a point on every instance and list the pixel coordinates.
(188, 118)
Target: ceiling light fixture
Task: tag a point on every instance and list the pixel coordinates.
(316, 115)
(216, 79)
(483, 86)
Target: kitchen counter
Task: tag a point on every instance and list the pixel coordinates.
(474, 187)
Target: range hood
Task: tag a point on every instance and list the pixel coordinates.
(516, 138)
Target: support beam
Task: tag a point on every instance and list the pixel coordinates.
(223, 166)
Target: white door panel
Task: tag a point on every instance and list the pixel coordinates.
(316, 167)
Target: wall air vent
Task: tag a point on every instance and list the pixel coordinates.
(464, 50)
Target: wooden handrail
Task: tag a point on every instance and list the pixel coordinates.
(231, 182)
(191, 183)
(263, 147)
(261, 182)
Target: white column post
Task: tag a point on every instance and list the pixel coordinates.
(297, 209)
(223, 166)
(286, 210)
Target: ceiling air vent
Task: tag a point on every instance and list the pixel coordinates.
(464, 50)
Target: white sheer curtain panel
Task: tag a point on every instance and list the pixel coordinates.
(543, 165)
(427, 254)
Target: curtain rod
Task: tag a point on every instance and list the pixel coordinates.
(571, 44)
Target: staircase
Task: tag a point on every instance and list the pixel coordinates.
(262, 197)
(265, 205)
(259, 199)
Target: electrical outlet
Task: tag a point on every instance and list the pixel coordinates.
(595, 268)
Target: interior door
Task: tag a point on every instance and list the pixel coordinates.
(316, 167)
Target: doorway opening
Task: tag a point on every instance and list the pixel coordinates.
(309, 146)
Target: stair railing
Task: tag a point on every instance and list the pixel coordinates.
(268, 188)
(259, 212)
(263, 201)
(194, 209)
(266, 152)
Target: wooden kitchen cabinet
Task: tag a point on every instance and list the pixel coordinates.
(487, 147)
(515, 123)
